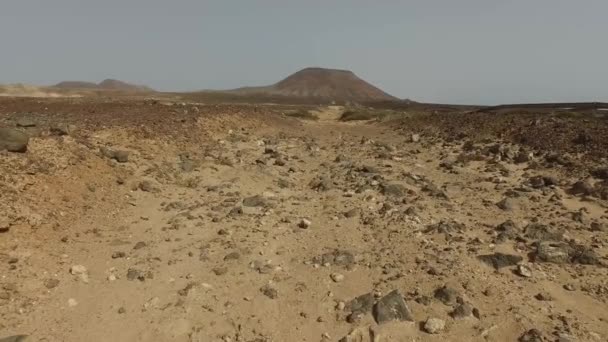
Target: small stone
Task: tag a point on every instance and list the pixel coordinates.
(14, 338)
(524, 271)
(582, 188)
(434, 325)
(337, 277)
(51, 283)
(146, 186)
(118, 255)
(139, 245)
(5, 225)
(447, 295)
(72, 302)
(80, 271)
(304, 223)
(462, 311)
(220, 271)
(133, 274)
(569, 287)
(544, 296)
(254, 201)
(25, 122)
(415, 138)
(232, 256)
(532, 335)
(121, 156)
(269, 291)
(121, 310)
(507, 204)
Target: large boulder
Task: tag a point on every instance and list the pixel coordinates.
(13, 140)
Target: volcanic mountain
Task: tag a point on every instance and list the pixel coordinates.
(326, 84)
(108, 84)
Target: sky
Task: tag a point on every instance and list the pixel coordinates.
(448, 51)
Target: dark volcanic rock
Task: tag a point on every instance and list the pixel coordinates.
(448, 295)
(392, 307)
(500, 260)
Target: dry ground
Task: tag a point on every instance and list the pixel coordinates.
(236, 223)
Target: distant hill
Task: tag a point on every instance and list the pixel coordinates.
(320, 83)
(108, 84)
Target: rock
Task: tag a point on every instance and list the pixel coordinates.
(321, 184)
(507, 204)
(13, 140)
(583, 255)
(415, 138)
(507, 230)
(360, 306)
(532, 335)
(232, 256)
(601, 173)
(254, 201)
(434, 325)
(218, 271)
(537, 231)
(582, 188)
(553, 252)
(25, 122)
(133, 274)
(121, 310)
(121, 156)
(269, 291)
(61, 129)
(356, 335)
(337, 277)
(524, 271)
(462, 311)
(351, 213)
(544, 296)
(14, 338)
(80, 271)
(5, 225)
(51, 283)
(72, 302)
(395, 190)
(147, 186)
(500, 260)
(336, 258)
(392, 307)
(304, 223)
(139, 245)
(523, 157)
(448, 296)
(118, 255)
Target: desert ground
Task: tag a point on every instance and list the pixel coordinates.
(166, 219)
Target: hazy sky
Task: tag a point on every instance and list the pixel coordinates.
(458, 51)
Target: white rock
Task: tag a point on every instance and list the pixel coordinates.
(337, 277)
(434, 325)
(72, 302)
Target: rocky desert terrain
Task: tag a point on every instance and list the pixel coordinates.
(140, 219)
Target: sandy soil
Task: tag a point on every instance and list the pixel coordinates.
(234, 223)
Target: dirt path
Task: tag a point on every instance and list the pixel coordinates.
(283, 230)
